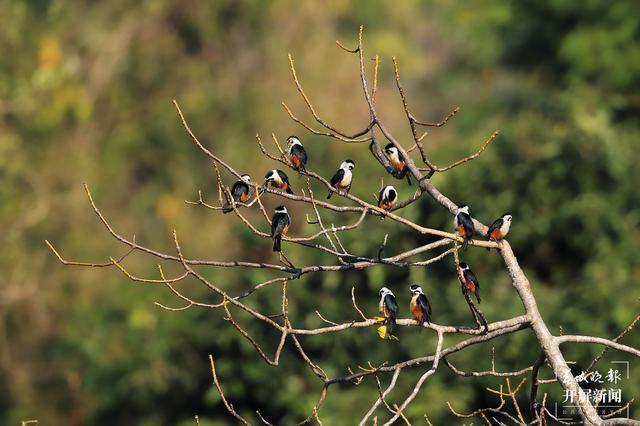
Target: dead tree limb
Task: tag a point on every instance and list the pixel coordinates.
(328, 240)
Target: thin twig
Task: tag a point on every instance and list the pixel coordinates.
(229, 407)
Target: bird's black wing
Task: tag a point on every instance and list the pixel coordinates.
(301, 154)
(393, 195)
(285, 179)
(392, 307)
(275, 223)
(283, 176)
(470, 276)
(278, 223)
(425, 306)
(497, 224)
(391, 304)
(337, 177)
(238, 189)
(467, 223)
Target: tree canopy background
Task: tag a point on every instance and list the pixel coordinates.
(85, 96)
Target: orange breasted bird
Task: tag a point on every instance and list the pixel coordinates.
(499, 228)
(279, 226)
(239, 192)
(387, 197)
(278, 179)
(470, 280)
(419, 305)
(297, 154)
(341, 180)
(464, 225)
(388, 308)
(396, 160)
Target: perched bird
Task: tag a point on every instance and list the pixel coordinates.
(297, 154)
(470, 281)
(341, 180)
(279, 226)
(397, 162)
(464, 225)
(278, 179)
(388, 308)
(419, 305)
(499, 228)
(387, 197)
(239, 192)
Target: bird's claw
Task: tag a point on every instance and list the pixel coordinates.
(297, 273)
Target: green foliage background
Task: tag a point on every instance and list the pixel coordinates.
(85, 91)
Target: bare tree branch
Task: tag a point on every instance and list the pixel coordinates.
(229, 407)
(327, 239)
(599, 341)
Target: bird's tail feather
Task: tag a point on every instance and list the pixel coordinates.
(391, 325)
(276, 242)
(227, 208)
(330, 194)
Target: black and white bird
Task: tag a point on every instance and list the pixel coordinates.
(397, 162)
(239, 192)
(464, 225)
(419, 305)
(387, 197)
(470, 280)
(388, 308)
(341, 180)
(279, 226)
(297, 154)
(499, 228)
(278, 179)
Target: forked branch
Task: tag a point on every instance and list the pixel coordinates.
(328, 239)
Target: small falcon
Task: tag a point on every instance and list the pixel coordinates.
(297, 154)
(341, 180)
(499, 228)
(278, 179)
(387, 197)
(397, 162)
(279, 226)
(464, 225)
(239, 192)
(388, 308)
(419, 305)
(470, 281)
